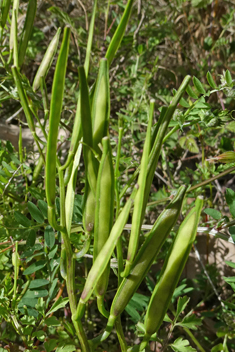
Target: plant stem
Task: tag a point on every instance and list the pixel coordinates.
(120, 334)
(16, 271)
(173, 130)
(203, 150)
(200, 348)
(70, 267)
(116, 174)
(212, 179)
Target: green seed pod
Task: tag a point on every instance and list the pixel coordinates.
(91, 164)
(54, 119)
(119, 33)
(104, 256)
(38, 169)
(171, 272)
(88, 217)
(67, 174)
(139, 206)
(147, 253)
(75, 138)
(144, 260)
(101, 106)
(161, 130)
(71, 189)
(27, 30)
(104, 213)
(47, 60)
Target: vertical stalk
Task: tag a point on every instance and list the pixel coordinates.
(116, 175)
(197, 343)
(120, 334)
(15, 260)
(15, 30)
(20, 146)
(70, 267)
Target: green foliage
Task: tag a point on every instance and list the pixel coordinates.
(181, 345)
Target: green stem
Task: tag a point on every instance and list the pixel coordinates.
(160, 201)
(116, 173)
(200, 348)
(16, 272)
(2, 59)
(120, 334)
(129, 182)
(173, 130)
(70, 266)
(203, 150)
(18, 329)
(225, 342)
(211, 179)
(24, 290)
(62, 196)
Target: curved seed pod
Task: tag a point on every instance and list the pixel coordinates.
(84, 249)
(68, 173)
(70, 194)
(145, 258)
(139, 207)
(88, 214)
(77, 129)
(75, 138)
(27, 30)
(90, 38)
(103, 214)
(101, 106)
(119, 33)
(158, 137)
(63, 263)
(97, 122)
(157, 145)
(38, 169)
(171, 272)
(91, 164)
(104, 256)
(47, 60)
(54, 120)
